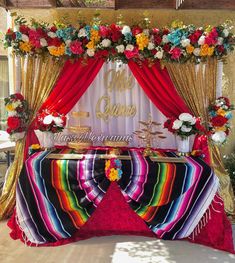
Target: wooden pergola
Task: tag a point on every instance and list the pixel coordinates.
(122, 4)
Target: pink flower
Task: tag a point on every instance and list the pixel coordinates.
(104, 31)
(76, 47)
(175, 53)
(131, 54)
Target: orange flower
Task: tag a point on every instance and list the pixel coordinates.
(142, 41)
(204, 50)
(95, 37)
(211, 51)
(90, 45)
(221, 112)
(189, 49)
(57, 51)
(25, 46)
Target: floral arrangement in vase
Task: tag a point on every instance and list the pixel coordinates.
(18, 116)
(113, 169)
(220, 114)
(177, 43)
(184, 126)
(50, 121)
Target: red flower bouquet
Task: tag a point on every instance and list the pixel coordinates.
(51, 121)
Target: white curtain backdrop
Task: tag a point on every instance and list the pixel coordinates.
(119, 125)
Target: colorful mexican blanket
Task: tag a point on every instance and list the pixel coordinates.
(55, 198)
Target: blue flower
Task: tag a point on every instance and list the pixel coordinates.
(212, 113)
(65, 33)
(18, 35)
(229, 115)
(68, 51)
(176, 36)
(118, 162)
(128, 36)
(88, 29)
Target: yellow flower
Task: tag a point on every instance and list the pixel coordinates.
(204, 50)
(221, 112)
(177, 24)
(25, 46)
(9, 107)
(208, 29)
(189, 49)
(35, 146)
(223, 128)
(95, 35)
(90, 45)
(57, 51)
(211, 51)
(142, 41)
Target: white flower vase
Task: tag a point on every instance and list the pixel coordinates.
(46, 139)
(183, 145)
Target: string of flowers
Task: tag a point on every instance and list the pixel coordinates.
(18, 115)
(178, 43)
(220, 114)
(113, 169)
(51, 121)
(185, 125)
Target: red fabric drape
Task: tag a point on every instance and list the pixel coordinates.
(74, 80)
(159, 88)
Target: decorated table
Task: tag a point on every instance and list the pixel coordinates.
(72, 197)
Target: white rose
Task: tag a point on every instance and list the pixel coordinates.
(16, 104)
(52, 34)
(43, 42)
(68, 42)
(129, 47)
(177, 124)
(219, 137)
(90, 52)
(151, 46)
(220, 41)
(120, 48)
(12, 113)
(48, 120)
(193, 121)
(126, 30)
(201, 40)
(185, 128)
(226, 32)
(196, 52)
(146, 32)
(58, 121)
(185, 117)
(159, 54)
(185, 42)
(165, 39)
(82, 32)
(106, 42)
(25, 38)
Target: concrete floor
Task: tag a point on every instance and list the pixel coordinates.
(113, 249)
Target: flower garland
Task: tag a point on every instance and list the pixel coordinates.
(18, 115)
(185, 125)
(178, 43)
(51, 121)
(113, 169)
(220, 113)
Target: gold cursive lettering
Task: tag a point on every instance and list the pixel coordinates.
(104, 109)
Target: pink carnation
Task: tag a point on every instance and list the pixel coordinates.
(175, 53)
(131, 54)
(76, 47)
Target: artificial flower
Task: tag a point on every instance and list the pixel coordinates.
(105, 42)
(76, 47)
(120, 48)
(159, 54)
(151, 46)
(91, 45)
(10, 107)
(175, 53)
(177, 124)
(57, 51)
(204, 50)
(52, 34)
(219, 137)
(185, 42)
(184, 128)
(142, 41)
(190, 49)
(14, 122)
(126, 30)
(25, 38)
(218, 121)
(82, 32)
(90, 52)
(197, 52)
(25, 47)
(129, 47)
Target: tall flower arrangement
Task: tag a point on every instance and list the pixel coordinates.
(178, 43)
(220, 113)
(18, 115)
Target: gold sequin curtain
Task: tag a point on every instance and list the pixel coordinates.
(197, 86)
(39, 75)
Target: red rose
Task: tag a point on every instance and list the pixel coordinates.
(165, 31)
(219, 121)
(168, 124)
(157, 39)
(56, 42)
(104, 31)
(24, 29)
(9, 130)
(155, 30)
(18, 96)
(116, 34)
(167, 47)
(53, 29)
(198, 126)
(220, 49)
(131, 54)
(102, 53)
(13, 122)
(136, 30)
